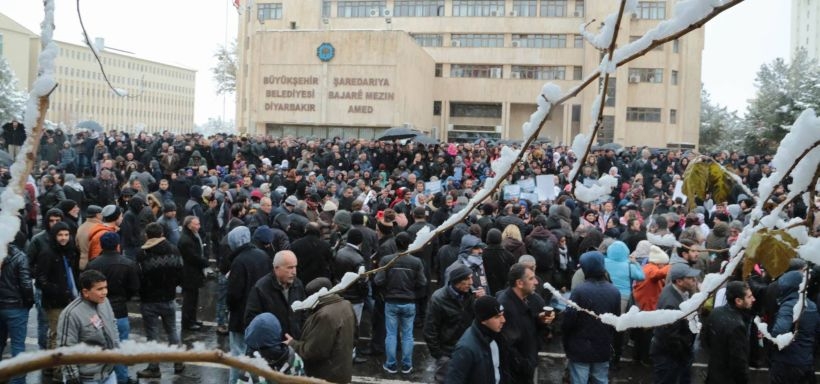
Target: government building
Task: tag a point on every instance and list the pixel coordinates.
(457, 69)
(159, 96)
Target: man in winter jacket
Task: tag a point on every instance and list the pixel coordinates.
(327, 337)
(93, 216)
(588, 341)
(795, 363)
(161, 272)
(249, 265)
(449, 314)
(121, 272)
(313, 253)
(543, 245)
(88, 319)
(111, 220)
(39, 244)
(646, 294)
(479, 354)
(726, 334)
(170, 226)
(671, 348)
(57, 269)
(194, 261)
(470, 255)
(133, 226)
(51, 194)
(16, 298)
(276, 291)
(497, 261)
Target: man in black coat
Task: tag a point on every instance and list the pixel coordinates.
(449, 314)
(314, 254)
(193, 277)
(16, 298)
(14, 134)
(479, 355)
(726, 334)
(276, 291)
(671, 349)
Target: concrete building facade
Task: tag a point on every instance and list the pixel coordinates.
(805, 32)
(458, 69)
(159, 96)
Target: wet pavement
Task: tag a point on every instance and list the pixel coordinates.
(550, 369)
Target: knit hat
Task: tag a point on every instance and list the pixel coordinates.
(110, 213)
(329, 206)
(109, 241)
(263, 234)
(592, 263)
(66, 205)
(196, 192)
(657, 255)
(487, 307)
(494, 236)
(642, 249)
(93, 210)
(459, 274)
(317, 284)
(355, 236)
(291, 200)
(343, 219)
(169, 206)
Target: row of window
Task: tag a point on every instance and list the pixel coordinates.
(553, 72)
(85, 55)
(496, 40)
(651, 115)
(123, 80)
(651, 75)
(652, 10)
(81, 109)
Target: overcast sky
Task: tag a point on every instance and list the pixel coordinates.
(187, 33)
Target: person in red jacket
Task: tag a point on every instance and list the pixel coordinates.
(646, 294)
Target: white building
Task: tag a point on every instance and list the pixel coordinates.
(805, 30)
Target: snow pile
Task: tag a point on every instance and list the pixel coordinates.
(11, 201)
(579, 146)
(423, 236)
(347, 280)
(810, 251)
(602, 188)
(782, 340)
(603, 38)
(549, 94)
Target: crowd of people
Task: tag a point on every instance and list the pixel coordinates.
(112, 218)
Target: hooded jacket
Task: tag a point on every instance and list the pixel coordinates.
(160, 265)
(327, 340)
(475, 263)
(264, 335)
(621, 271)
(543, 245)
(52, 274)
(800, 351)
(249, 265)
(448, 253)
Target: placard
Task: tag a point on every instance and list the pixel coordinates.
(512, 191)
(527, 185)
(432, 187)
(530, 196)
(545, 187)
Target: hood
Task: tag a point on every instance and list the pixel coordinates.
(263, 234)
(789, 284)
(592, 263)
(617, 251)
(543, 233)
(136, 204)
(263, 332)
(467, 243)
(196, 154)
(561, 212)
(238, 237)
(456, 236)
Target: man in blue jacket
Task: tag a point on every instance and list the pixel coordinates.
(794, 364)
(587, 341)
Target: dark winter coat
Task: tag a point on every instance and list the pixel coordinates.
(267, 296)
(50, 197)
(449, 314)
(249, 265)
(327, 340)
(193, 259)
(14, 136)
(472, 361)
(726, 334)
(52, 274)
(16, 281)
(800, 351)
(123, 279)
(674, 340)
(160, 265)
(586, 339)
(314, 256)
(350, 259)
(400, 282)
(497, 263)
(521, 333)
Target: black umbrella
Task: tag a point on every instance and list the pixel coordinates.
(90, 125)
(5, 158)
(613, 146)
(397, 133)
(425, 140)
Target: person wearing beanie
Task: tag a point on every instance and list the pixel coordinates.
(588, 341)
(123, 284)
(646, 294)
(71, 214)
(134, 219)
(497, 261)
(160, 266)
(326, 344)
(398, 286)
(111, 220)
(476, 358)
(450, 313)
(248, 265)
(263, 239)
(169, 223)
(672, 346)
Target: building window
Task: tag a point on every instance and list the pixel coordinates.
(674, 79)
(429, 40)
(540, 41)
(349, 9)
(418, 8)
(579, 8)
(547, 72)
(577, 72)
(1, 44)
(269, 11)
(607, 132)
(651, 10)
(643, 114)
(470, 8)
(477, 40)
(611, 91)
(673, 116)
(524, 8)
(437, 108)
(326, 8)
(576, 113)
(646, 75)
(577, 41)
(476, 71)
(475, 110)
(634, 38)
(439, 70)
(553, 8)
(675, 46)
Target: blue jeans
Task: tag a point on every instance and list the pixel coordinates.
(42, 320)
(13, 323)
(238, 348)
(124, 328)
(221, 299)
(671, 370)
(399, 318)
(583, 373)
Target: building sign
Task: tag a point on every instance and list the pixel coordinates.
(325, 52)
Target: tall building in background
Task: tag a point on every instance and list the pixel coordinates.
(160, 96)
(805, 31)
(458, 69)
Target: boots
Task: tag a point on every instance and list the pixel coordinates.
(178, 368)
(152, 372)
